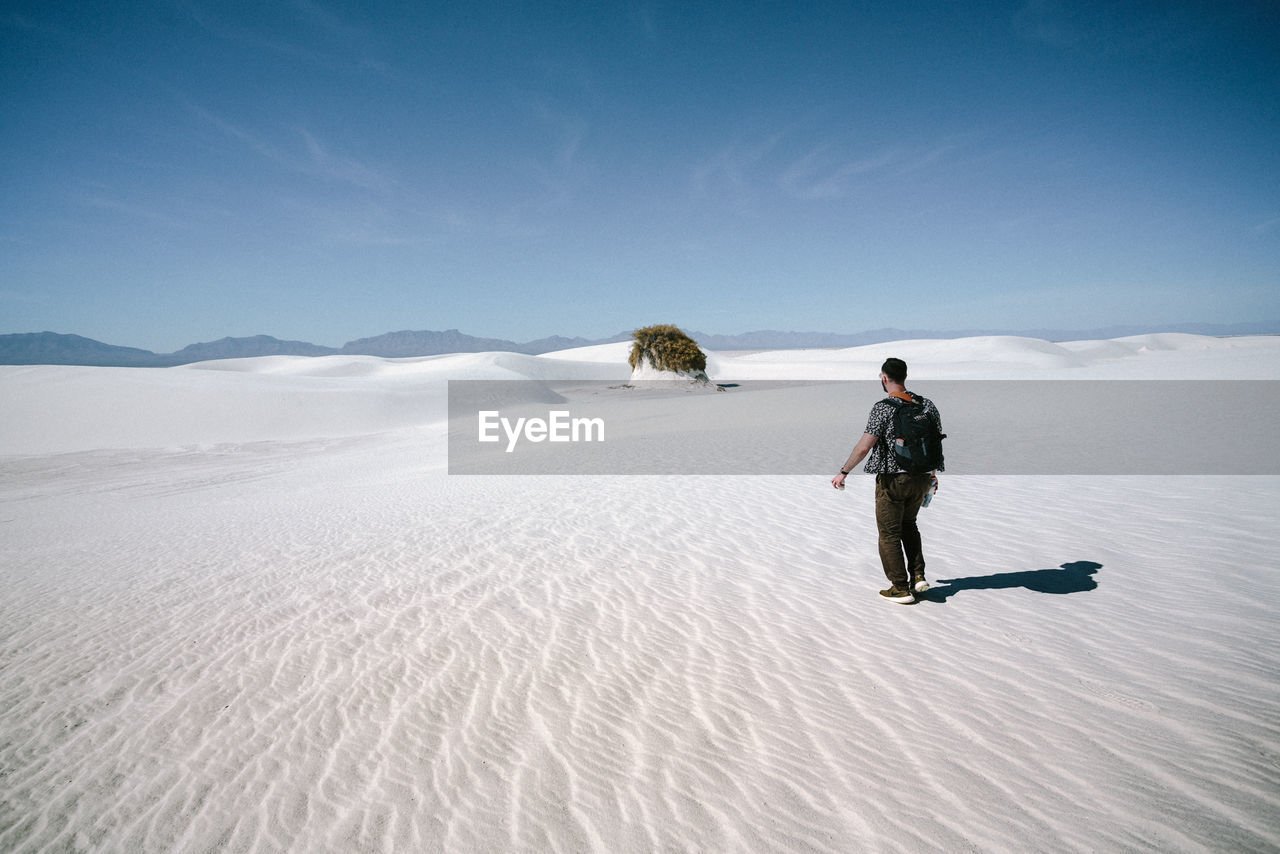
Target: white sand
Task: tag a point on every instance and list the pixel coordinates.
(245, 609)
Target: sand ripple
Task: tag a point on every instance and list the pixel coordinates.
(412, 662)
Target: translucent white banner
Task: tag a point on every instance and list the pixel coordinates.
(992, 427)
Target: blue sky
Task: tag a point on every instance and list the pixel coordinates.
(182, 170)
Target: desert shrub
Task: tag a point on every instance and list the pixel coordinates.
(667, 349)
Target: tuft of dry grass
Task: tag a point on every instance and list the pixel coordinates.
(666, 348)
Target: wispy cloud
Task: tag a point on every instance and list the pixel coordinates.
(379, 210)
(324, 17)
(742, 172)
(325, 192)
(732, 173)
(1268, 226)
(308, 156)
(317, 34)
(828, 173)
(567, 131)
(644, 16)
(1046, 22)
(823, 174)
(1099, 29)
(232, 130)
(210, 23)
(321, 162)
(133, 210)
(22, 297)
(561, 166)
(351, 223)
(15, 20)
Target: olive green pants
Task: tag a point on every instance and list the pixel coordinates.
(898, 499)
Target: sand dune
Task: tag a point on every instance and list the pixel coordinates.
(284, 398)
(245, 609)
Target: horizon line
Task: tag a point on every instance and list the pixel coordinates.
(1122, 330)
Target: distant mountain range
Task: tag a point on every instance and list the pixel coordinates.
(52, 348)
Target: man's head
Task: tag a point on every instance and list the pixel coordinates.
(895, 370)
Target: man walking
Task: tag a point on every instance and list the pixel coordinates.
(899, 493)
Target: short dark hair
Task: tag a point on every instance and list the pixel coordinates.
(895, 369)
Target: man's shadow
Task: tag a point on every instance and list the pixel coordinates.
(1074, 577)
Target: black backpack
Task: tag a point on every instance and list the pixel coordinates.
(918, 446)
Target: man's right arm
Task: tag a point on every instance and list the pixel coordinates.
(860, 451)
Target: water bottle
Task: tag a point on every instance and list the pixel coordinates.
(928, 496)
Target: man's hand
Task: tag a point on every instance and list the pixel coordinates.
(838, 481)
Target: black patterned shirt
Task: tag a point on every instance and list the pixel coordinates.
(880, 423)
